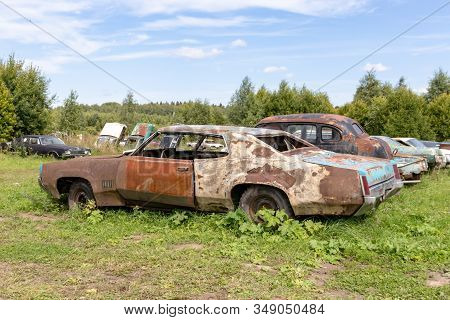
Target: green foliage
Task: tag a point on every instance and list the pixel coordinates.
(241, 103)
(248, 108)
(370, 87)
(72, 120)
(178, 218)
(439, 84)
(127, 114)
(407, 116)
(197, 112)
(7, 115)
(92, 214)
(29, 91)
(438, 111)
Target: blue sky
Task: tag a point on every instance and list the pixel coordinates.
(179, 50)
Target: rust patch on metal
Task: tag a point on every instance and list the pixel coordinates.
(262, 152)
(268, 173)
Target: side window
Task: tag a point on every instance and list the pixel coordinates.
(213, 144)
(357, 129)
(304, 131)
(329, 134)
(34, 141)
(188, 142)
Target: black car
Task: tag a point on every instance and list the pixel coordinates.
(49, 145)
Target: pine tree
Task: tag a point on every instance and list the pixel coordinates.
(72, 120)
(439, 84)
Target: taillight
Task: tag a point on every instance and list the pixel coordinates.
(365, 184)
(396, 172)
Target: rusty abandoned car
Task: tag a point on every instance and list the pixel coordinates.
(330, 132)
(256, 168)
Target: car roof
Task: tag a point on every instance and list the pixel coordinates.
(38, 136)
(326, 118)
(211, 129)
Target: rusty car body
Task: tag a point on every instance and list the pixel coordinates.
(435, 157)
(409, 160)
(256, 168)
(112, 133)
(330, 132)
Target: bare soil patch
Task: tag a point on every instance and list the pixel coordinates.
(438, 279)
(321, 275)
(33, 217)
(187, 246)
(260, 267)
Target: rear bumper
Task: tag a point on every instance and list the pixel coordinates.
(381, 192)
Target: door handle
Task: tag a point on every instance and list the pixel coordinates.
(182, 169)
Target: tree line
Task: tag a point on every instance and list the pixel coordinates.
(382, 108)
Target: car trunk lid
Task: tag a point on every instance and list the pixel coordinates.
(374, 169)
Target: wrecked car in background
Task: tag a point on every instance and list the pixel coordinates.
(444, 147)
(330, 132)
(410, 161)
(256, 168)
(139, 134)
(435, 157)
(48, 145)
(112, 133)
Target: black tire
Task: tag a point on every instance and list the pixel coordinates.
(80, 193)
(258, 197)
(54, 154)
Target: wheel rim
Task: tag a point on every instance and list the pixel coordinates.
(81, 199)
(262, 202)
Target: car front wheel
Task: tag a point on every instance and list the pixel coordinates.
(80, 193)
(256, 198)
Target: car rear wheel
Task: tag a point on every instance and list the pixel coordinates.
(80, 193)
(261, 197)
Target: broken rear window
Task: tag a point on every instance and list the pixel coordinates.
(283, 143)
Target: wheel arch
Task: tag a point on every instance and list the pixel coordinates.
(238, 190)
(63, 184)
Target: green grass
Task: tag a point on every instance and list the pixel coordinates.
(47, 252)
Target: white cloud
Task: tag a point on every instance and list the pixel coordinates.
(186, 52)
(58, 17)
(273, 69)
(307, 7)
(421, 90)
(196, 22)
(238, 43)
(138, 38)
(197, 53)
(169, 42)
(378, 67)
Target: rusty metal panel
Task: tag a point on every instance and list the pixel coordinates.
(156, 180)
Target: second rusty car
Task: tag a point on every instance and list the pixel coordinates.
(255, 169)
(330, 132)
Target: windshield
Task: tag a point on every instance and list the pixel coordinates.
(391, 142)
(51, 140)
(416, 143)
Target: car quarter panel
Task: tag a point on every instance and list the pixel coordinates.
(100, 172)
(310, 188)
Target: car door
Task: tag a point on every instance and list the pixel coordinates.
(34, 145)
(150, 178)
